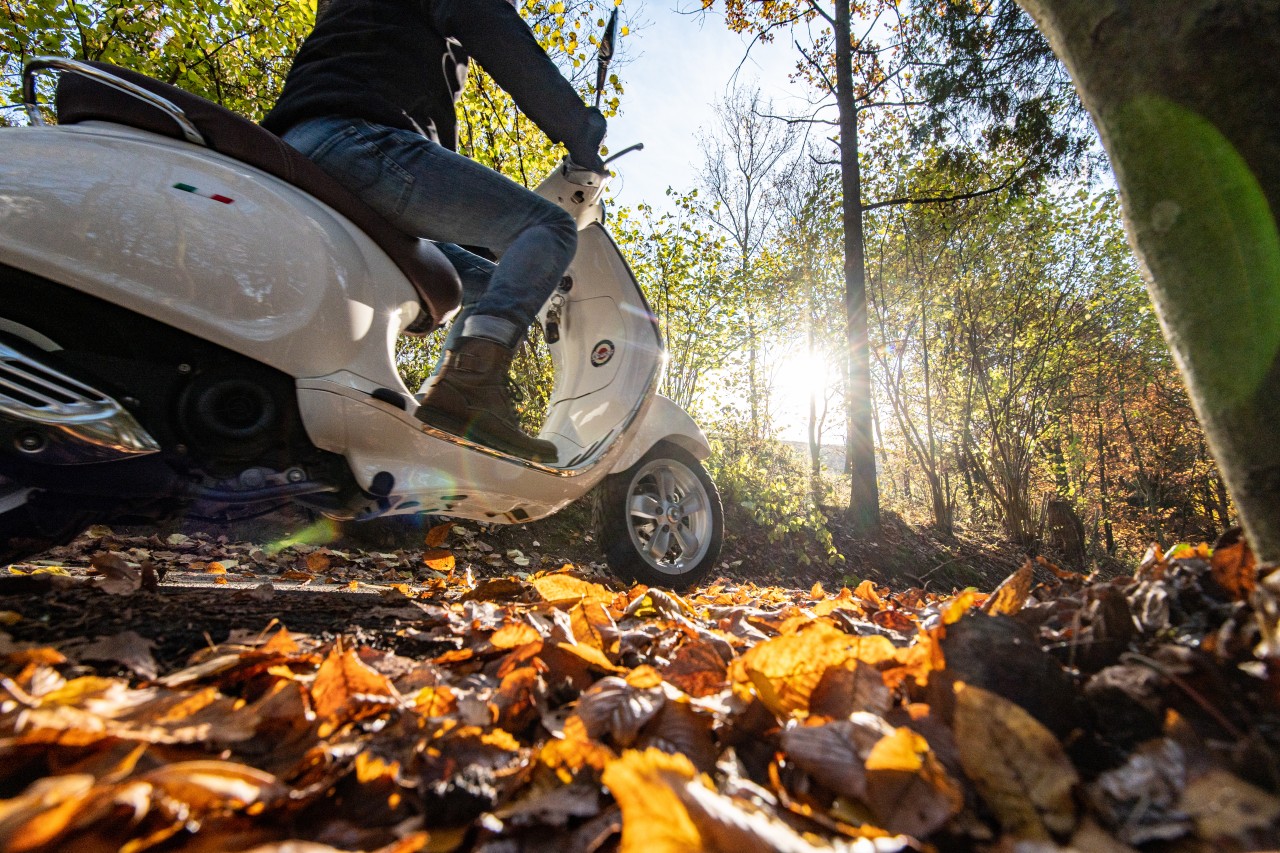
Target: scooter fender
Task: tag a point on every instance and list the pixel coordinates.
(663, 420)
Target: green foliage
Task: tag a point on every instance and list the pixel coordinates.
(233, 53)
(770, 481)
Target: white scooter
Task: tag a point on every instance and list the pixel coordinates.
(193, 313)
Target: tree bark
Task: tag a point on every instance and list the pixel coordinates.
(864, 495)
(1186, 96)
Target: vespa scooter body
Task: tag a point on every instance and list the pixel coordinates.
(224, 252)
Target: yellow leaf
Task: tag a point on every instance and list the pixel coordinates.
(562, 587)
(959, 606)
(1012, 593)
(785, 670)
(216, 568)
(817, 593)
(1017, 765)
(514, 634)
(654, 818)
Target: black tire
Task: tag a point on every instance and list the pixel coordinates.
(686, 513)
(40, 523)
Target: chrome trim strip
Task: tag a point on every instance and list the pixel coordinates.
(70, 423)
(74, 66)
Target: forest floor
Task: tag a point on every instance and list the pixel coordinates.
(301, 689)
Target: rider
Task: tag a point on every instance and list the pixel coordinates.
(370, 98)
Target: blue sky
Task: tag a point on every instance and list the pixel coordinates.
(676, 66)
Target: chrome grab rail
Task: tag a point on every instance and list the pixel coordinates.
(75, 66)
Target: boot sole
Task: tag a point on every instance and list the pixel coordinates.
(455, 426)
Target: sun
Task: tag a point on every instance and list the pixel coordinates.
(795, 379)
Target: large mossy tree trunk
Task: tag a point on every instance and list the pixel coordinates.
(1186, 96)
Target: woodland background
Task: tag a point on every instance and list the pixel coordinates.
(1019, 384)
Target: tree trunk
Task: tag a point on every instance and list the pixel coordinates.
(864, 496)
(1185, 95)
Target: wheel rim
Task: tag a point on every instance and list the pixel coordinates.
(669, 516)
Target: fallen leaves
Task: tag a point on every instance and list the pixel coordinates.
(1018, 766)
(551, 711)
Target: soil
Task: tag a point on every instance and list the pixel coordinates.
(349, 586)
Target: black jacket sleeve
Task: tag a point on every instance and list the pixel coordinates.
(493, 32)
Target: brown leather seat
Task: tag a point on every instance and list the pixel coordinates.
(80, 98)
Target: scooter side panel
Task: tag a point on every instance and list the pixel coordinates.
(609, 347)
(198, 241)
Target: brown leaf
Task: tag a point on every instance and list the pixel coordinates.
(845, 689)
(1018, 766)
(697, 669)
(1225, 807)
(214, 785)
(835, 753)
(907, 787)
(1012, 593)
(1140, 797)
(127, 648)
(118, 576)
(614, 711)
(318, 562)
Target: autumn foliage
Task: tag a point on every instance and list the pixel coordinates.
(555, 712)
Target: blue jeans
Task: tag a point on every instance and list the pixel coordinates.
(425, 189)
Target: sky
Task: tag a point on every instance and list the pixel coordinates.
(674, 67)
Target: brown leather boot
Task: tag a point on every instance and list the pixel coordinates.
(469, 397)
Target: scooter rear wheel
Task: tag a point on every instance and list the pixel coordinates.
(660, 521)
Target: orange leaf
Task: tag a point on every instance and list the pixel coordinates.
(439, 559)
(867, 592)
(1234, 566)
(216, 568)
(654, 818)
(317, 562)
(347, 688)
(437, 535)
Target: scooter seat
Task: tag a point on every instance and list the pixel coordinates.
(81, 98)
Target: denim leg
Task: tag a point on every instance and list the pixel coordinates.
(428, 190)
(475, 273)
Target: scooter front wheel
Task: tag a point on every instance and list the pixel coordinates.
(660, 521)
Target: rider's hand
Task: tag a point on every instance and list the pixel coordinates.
(584, 151)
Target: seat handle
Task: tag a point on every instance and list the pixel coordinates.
(84, 69)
